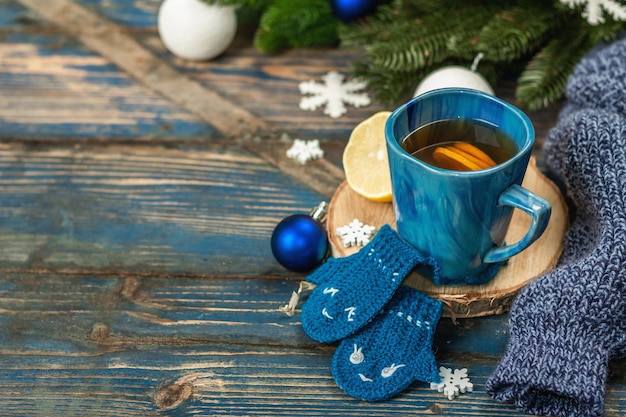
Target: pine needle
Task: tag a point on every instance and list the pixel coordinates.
(544, 80)
(519, 31)
(296, 24)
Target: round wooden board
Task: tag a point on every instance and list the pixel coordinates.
(494, 297)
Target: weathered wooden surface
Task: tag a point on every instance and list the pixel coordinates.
(134, 248)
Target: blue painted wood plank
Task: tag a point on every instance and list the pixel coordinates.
(52, 87)
(111, 345)
(14, 15)
(133, 311)
(143, 209)
(223, 380)
(135, 14)
(131, 13)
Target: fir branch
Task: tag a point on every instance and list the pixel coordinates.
(389, 87)
(356, 36)
(518, 31)
(409, 54)
(544, 80)
(606, 32)
(407, 39)
(410, 41)
(297, 24)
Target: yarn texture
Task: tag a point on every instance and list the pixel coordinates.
(392, 351)
(352, 290)
(566, 326)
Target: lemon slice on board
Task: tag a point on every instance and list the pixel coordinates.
(365, 160)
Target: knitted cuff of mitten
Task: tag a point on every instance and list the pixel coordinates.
(389, 250)
(551, 372)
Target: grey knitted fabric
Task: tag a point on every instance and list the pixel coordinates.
(566, 326)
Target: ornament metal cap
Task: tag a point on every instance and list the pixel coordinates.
(319, 213)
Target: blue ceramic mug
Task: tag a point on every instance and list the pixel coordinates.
(460, 218)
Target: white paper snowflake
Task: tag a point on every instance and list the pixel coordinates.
(594, 9)
(452, 383)
(305, 150)
(334, 92)
(355, 233)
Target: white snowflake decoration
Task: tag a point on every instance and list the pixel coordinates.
(594, 9)
(305, 150)
(333, 93)
(355, 233)
(452, 383)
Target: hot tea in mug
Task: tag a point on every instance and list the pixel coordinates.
(460, 144)
(457, 158)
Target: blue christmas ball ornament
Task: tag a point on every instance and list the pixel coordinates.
(299, 242)
(348, 10)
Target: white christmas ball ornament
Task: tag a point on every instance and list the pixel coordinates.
(194, 30)
(453, 76)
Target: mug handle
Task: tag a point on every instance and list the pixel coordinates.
(539, 210)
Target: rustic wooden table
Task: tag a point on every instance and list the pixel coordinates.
(138, 193)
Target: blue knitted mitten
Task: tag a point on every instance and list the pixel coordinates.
(330, 268)
(392, 351)
(357, 287)
(566, 326)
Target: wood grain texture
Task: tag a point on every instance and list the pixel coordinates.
(267, 85)
(212, 380)
(13, 15)
(54, 88)
(108, 40)
(135, 14)
(234, 120)
(92, 313)
(222, 380)
(152, 346)
(142, 209)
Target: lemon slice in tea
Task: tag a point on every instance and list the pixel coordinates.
(462, 157)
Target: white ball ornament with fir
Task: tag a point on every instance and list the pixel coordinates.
(194, 30)
(455, 76)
